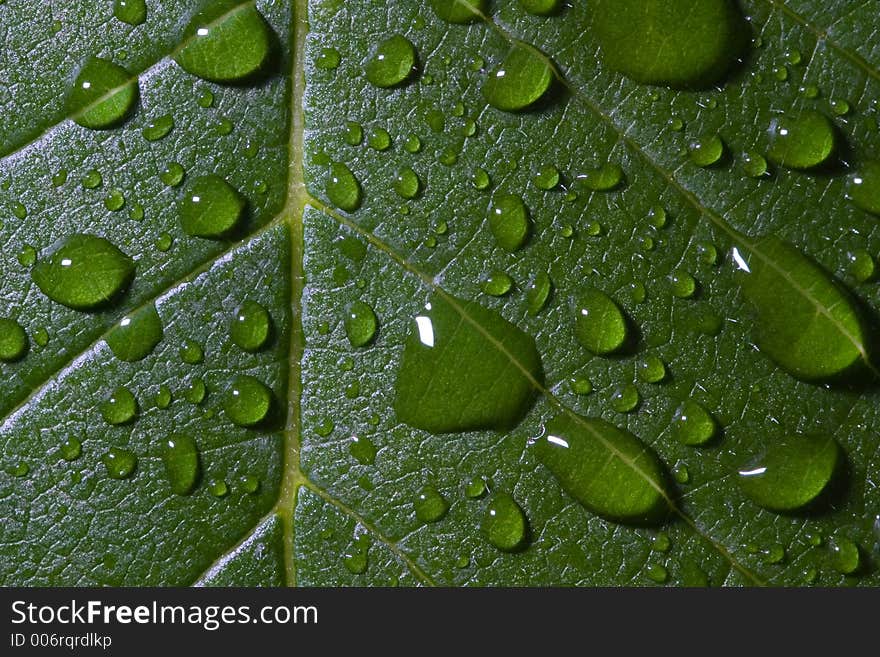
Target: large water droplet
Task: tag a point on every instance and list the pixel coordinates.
(430, 505)
(227, 40)
(520, 80)
(181, 459)
(133, 12)
(120, 463)
(13, 340)
(459, 11)
(248, 401)
(250, 325)
(607, 469)
(509, 221)
(792, 472)
(83, 272)
(210, 207)
(360, 324)
(677, 43)
(864, 187)
(538, 292)
(801, 140)
(136, 335)
(845, 556)
(504, 523)
(464, 368)
(392, 62)
(102, 95)
(343, 189)
(693, 425)
(600, 325)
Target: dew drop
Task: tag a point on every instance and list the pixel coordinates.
(538, 292)
(195, 391)
(392, 62)
(862, 266)
(754, 164)
(163, 397)
(379, 139)
(497, 283)
(625, 399)
(114, 200)
(801, 140)
(475, 488)
(692, 424)
(92, 179)
(864, 187)
(218, 488)
(103, 94)
(604, 178)
(120, 407)
(250, 326)
(547, 177)
(430, 505)
(120, 463)
(356, 555)
(59, 178)
(683, 284)
(520, 80)
(459, 11)
(133, 12)
(248, 401)
(360, 323)
(70, 449)
(600, 325)
(652, 370)
(363, 450)
(210, 207)
(328, 59)
(342, 188)
(181, 458)
(706, 151)
(158, 128)
(504, 523)
(845, 557)
(480, 178)
(406, 183)
(191, 352)
(13, 340)
(509, 222)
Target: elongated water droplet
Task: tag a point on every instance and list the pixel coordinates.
(540, 7)
(430, 505)
(693, 425)
(360, 324)
(13, 340)
(608, 470)
(464, 368)
(195, 392)
(120, 463)
(600, 325)
(801, 140)
(803, 321)
(392, 62)
(459, 11)
(652, 370)
(250, 325)
(520, 80)
(225, 41)
(181, 459)
(864, 187)
(845, 557)
(103, 94)
(504, 523)
(210, 207)
(497, 283)
(70, 449)
(342, 188)
(509, 222)
(538, 292)
(83, 272)
(792, 472)
(676, 43)
(604, 178)
(406, 183)
(120, 407)
(133, 12)
(248, 401)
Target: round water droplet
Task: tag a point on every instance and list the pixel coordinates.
(693, 425)
(158, 128)
(520, 80)
(540, 7)
(195, 391)
(360, 324)
(363, 450)
(538, 292)
(792, 473)
(504, 523)
(250, 326)
(103, 94)
(248, 401)
(430, 505)
(70, 449)
(453, 377)
(250, 484)
(392, 62)
(13, 340)
(412, 144)
(625, 399)
(328, 59)
(862, 266)
(480, 179)
(114, 200)
(191, 352)
(136, 335)
(133, 12)
(605, 178)
(342, 188)
(92, 179)
(459, 11)
(379, 139)
(120, 463)
(172, 175)
(754, 164)
(475, 488)
(497, 283)
(218, 30)
(652, 370)
(406, 183)
(120, 407)
(683, 284)
(210, 207)
(706, 151)
(845, 557)
(608, 470)
(864, 187)
(509, 221)
(83, 272)
(677, 43)
(547, 177)
(801, 140)
(600, 325)
(181, 458)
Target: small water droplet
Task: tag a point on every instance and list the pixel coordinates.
(864, 187)
(70, 449)
(392, 62)
(406, 183)
(158, 127)
(845, 556)
(328, 58)
(692, 424)
(862, 266)
(210, 207)
(163, 397)
(218, 488)
(520, 80)
(250, 326)
(600, 325)
(120, 407)
(625, 399)
(120, 463)
(363, 450)
(509, 222)
(538, 292)
(604, 178)
(248, 401)
(114, 200)
(92, 179)
(191, 352)
(430, 505)
(754, 164)
(683, 284)
(133, 12)
(379, 139)
(504, 523)
(195, 391)
(59, 178)
(181, 458)
(205, 98)
(480, 179)
(342, 188)
(801, 140)
(356, 555)
(652, 370)
(706, 151)
(13, 340)
(412, 144)
(540, 7)
(497, 283)
(657, 573)
(360, 323)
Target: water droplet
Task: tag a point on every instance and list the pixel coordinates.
(195, 392)
(540, 7)
(136, 335)
(657, 573)
(801, 140)
(652, 370)
(538, 292)
(497, 283)
(133, 12)
(520, 80)
(600, 325)
(547, 177)
(681, 474)
(392, 62)
(20, 469)
(459, 11)
(475, 488)
(480, 179)
(218, 29)
(328, 59)
(70, 449)
(342, 188)
(360, 324)
(181, 459)
(41, 336)
(754, 164)
(354, 133)
(191, 352)
(355, 558)
(210, 207)
(83, 272)
(840, 107)
(775, 554)
(793, 56)
(581, 386)
(250, 484)
(810, 91)
(862, 266)
(845, 557)
(114, 200)
(864, 187)
(813, 335)
(608, 470)
(164, 242)
(676, 124)
(605, 178)
(793, 472)
(661, 542)
(13, 340)
(406, 183)
(205, 99)
(683, 284)
(363, 450)
(163, 397)
(248, 401)
(379, 139)
(706, 151)
(412, 144)
(102, 95)
(173, 174)
(693, 425)
(59, 178)
(92, 179)
(676, 44)
(625, 399)
(120, 463)
(504, 523)
(158, 128)
(120, 407)
(430, 505)
(465, 368)
(250, 325)
(509, 221)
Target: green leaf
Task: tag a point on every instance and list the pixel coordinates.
(214, 343)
